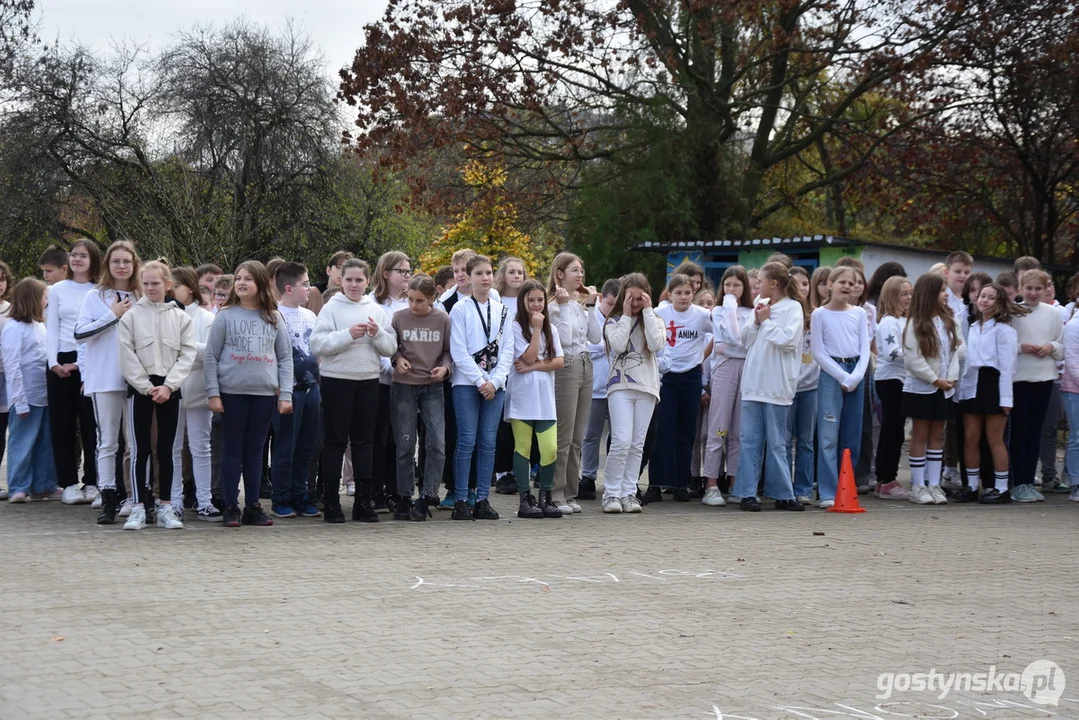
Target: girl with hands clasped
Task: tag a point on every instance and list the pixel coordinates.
(840, 345)
(570, 309)
(482, 359)
(421, 363)
(157, 352)
(248, 369)
(985, 390)
(22, 342)
(633, 335)
(96, 329)
(530, 399)
(932, 352)
(351, 336)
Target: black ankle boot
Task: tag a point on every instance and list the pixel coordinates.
(528, 507)
(547, 505)
(109, 504)
(332, 512)
(421, 510)
(586, 489)
(403, 510)
(362, 510)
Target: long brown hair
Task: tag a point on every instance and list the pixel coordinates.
(1006, 309)
(778, 271)
(108, 282)
(562, 261)
(27, 303)
(186, 276)
(6, 274)
(925, 307)
(738, 273)
(524, 318)
(380, 286)
(819, 277)
(627, 282)
(93, 251)
(267, 306)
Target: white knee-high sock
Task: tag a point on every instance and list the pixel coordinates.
(934, 458)
(917, 471)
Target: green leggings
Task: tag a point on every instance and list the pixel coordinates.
(547, 439)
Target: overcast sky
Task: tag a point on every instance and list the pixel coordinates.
(336, 26)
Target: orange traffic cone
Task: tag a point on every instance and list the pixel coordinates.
(846, 498)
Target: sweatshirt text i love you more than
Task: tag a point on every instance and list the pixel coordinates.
(246, 355)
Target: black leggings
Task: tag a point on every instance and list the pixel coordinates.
(141, 411)
(68, 407)
(892, 429)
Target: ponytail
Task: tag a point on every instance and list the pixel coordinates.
(778, 271)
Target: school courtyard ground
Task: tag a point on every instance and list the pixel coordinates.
(680, 612)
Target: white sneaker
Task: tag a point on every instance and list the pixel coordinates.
(630, 504)
(612, 505)
(350, 489)
(137, 519)
(93, 495)
(937, 493)
(825, 504)
(574, 506)
(564, 508)
(804, 499)
(892, 491)
(713, 498)
(19, 497)
(920, 495)
(166, 518)
(1074, 494)
(125, 507)
(73, 496)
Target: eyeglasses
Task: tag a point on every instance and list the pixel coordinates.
(405, 272)
(221, 296)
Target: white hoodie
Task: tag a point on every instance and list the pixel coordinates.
(342, 355)
(193, 391)
(95, 328)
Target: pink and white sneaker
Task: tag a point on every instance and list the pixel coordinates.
(892, 491)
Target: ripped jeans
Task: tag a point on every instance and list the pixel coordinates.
(839, 428)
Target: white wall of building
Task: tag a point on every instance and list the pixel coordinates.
(918, 262)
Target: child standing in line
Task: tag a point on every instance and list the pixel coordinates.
(157, 351)
(932, 351)
(722, 445)
(31, 469)
(455, 291)
(195, 416)
(687, 330)
(1070, 393)
(7, 289)
(820, 291)
(509, 277)
(841, 347)
(248, 368)
(957, 270)
(296, 433)
(530, 399)
(892, 307)
(985, 389)
(774, 341)
(351, 336)
(633, 334)
(598, 415)
(390, 290)
(67, 403)
(802, 422)
(1040, 346)
(96, 328)
(570, 307)
(704, 298)
(421, 363)
(482, 360)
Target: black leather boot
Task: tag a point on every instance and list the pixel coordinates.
(528, 507)
(550, 510)
(109, 505)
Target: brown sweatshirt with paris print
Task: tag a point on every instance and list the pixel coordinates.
(424, 341)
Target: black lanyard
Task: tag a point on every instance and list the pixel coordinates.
(486, 325)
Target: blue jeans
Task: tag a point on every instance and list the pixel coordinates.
(839, 428)
(764, 438)
(30, 468)
(679, 409)
(409, 403)
(295, 436)
(477, 431)
(802, 426)
(1071, 452)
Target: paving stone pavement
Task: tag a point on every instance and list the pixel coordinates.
(682, 611)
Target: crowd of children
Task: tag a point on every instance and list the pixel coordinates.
(171, 385)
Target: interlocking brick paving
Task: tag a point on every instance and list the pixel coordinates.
(682, 611)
